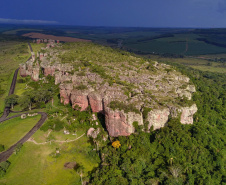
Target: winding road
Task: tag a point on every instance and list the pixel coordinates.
(5, 155)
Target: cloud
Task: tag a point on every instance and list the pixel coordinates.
(17, 21)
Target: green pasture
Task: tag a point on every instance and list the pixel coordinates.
(13, 130)
(41, 166)
(11, 55)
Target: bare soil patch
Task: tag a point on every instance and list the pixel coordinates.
(44, 36)
(70, 165)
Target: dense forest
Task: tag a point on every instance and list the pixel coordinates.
(176, 154)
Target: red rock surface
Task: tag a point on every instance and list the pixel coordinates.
(49, 71)
(80, 99)
(116, 123)
(65, 93)
(95, 101)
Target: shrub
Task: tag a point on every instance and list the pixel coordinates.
(20, 81)
(2, 147)
(121, 106)
(54, 124)
(81, 87)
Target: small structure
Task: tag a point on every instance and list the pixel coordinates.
(23, 116)
(66, 132)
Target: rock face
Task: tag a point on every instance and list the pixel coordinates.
(49, 71)
(96, 102)
(136, 84)
(158, 118)
(119, 123)
(35, 74)
(80, 99)
(187, 114)
(65, 93)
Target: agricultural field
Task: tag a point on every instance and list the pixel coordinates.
(200, 63)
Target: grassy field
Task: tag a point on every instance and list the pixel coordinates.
(196, 63)
(41, 166)
(11, 55)
(13, 130)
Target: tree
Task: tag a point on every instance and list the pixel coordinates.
(11, 100)
(27, 99)
(2, 147)
(116, 144)
(80, 170)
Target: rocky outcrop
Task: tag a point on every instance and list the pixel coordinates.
(119, 123)
(158, 118)
(23, 70)
(187, 114)
(61, 77)
(65, 93)
(50, 70)
(134, 83)
(80, 99)
(35, 74)
(96, 102)
(92, 132)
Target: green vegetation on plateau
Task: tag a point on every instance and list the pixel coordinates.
(176, 154)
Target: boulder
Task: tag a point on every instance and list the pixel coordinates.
(93, 132)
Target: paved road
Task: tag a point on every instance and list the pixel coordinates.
(30, 46)
(11, 91)
(5, 155)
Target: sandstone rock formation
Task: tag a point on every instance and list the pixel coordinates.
(187, 114)
(135, 84)
(158, 118)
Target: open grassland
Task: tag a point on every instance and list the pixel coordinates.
(37, 47)
(196, 63)
(11, 55)
(13, 130)
(40, 165)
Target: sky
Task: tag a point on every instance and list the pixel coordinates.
(120, 13)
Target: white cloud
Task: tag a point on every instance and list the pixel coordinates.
(17, 21)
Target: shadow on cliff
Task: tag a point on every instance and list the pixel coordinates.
(101, 118)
